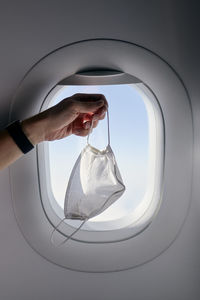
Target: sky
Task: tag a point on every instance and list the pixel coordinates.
(129, 141)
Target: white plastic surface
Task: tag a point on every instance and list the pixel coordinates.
(167, 87)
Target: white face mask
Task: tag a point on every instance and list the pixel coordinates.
(95, 183)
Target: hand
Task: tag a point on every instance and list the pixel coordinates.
(73, 115)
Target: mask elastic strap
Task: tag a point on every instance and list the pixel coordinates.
(69, 237)
(108, 127)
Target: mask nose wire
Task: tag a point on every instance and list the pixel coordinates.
(108, 128)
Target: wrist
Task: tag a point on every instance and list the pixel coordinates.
(33, 129)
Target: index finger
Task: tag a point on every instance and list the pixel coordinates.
(83, 97)
(85, 103)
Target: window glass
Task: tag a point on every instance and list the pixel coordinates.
(129, 131)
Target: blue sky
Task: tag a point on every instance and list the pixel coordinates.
(129, 141)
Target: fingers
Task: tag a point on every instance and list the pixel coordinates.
(100, 114)
(82, 110)
(88, 97)
(86, 103)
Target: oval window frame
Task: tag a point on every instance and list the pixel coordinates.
(142, 216)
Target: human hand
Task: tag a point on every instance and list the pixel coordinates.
(73, 115)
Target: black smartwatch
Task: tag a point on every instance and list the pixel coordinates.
(19, 137)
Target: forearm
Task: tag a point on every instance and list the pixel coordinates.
(9, 151)
(70, 116)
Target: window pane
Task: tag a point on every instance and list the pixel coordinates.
(129, 131)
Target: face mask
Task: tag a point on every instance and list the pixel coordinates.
(95, 183)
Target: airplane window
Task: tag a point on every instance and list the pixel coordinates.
(132, 140)
(148, 111)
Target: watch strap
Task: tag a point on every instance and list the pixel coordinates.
(19, 137)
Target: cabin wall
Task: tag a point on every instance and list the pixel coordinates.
(28, 31)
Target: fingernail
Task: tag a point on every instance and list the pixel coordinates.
(100, 102)
(87, 125)
(103, 114)
(95, 118)
(104, 109)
